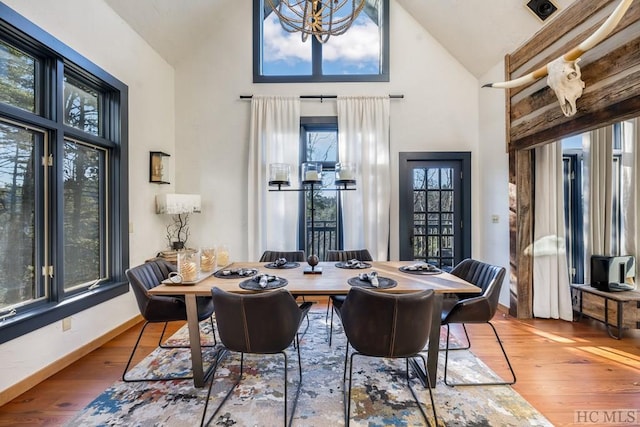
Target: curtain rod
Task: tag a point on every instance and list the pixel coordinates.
(321, 97)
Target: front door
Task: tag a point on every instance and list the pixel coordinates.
(435, 208)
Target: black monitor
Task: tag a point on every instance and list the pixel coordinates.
(613, 273)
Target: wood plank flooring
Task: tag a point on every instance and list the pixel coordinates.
(562, 367)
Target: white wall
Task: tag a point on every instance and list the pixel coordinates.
(95, 31)
(439, 113)
(493, 244)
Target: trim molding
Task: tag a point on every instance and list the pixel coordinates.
(31, 381)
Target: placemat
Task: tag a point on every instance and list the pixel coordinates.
(360, 266)
(289, 264)
(254, 285)
(235, 273)
(428, 271)
(384, 283)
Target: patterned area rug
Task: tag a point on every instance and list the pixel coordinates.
(380, 396)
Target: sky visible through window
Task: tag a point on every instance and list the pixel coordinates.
(355, 52)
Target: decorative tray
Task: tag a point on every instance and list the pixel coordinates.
(353, 264)
(383, 283)
(288, 264)
(235, 273)
(201, 276)
(420, 268)
(257, 284)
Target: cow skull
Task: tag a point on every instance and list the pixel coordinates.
(563, 73)
(564, 78)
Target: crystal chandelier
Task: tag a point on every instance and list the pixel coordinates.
(319, 18)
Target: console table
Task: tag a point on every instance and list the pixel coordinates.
(618, 310)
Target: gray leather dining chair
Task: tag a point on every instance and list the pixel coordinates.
(385, 325)
(161, 309)
(337, 256)
(293, 256)
(475, 309)
(262, 323)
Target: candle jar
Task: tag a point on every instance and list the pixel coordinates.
(345, 173)
(311, 172)
(222, 254)
(189, 265)
(208, 259)
(279, 174)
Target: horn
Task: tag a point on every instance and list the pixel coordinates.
(599, 35)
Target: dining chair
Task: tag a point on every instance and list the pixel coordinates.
(293, 256)
(475, 309)
(385, 325)
(337, 300)
(161, 309)
(261, 323)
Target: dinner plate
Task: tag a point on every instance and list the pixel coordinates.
(235, 273)
(384, 283)
(289, 264)
(362, 265)
(431, 270)
(254, 285)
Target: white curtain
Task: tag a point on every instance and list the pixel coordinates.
(274, 138)
(630, 190)
(363, 135)
(597, 147)
(551, 292)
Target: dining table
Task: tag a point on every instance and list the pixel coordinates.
(333, 280)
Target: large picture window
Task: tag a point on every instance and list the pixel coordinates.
(360, 54)
(63, 188)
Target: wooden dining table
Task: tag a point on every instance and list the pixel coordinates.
(332, 281)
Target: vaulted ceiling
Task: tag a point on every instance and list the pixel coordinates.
(478, 33)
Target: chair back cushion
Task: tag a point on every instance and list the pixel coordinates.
(359, 254)
(293, 256)
(480, 308)
(256, 323)
(387, 325)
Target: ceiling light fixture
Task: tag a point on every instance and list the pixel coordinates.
(319, 18)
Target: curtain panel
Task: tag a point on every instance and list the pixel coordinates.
(551, 292)
(274, 138)
(363, 135)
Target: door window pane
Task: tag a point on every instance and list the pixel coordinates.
(84, 209)
(17, 78)
(81, 106)
(17, 222)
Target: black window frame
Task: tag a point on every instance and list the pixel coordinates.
(316, 56)
(56, 58)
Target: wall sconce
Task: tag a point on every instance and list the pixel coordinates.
(180, 206)
(158, 167)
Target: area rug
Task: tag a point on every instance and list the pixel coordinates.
(380, 396)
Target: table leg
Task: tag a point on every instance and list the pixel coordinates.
(194, 340)
(432, 348)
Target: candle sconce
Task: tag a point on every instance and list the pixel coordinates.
(158, 167)
(311, 177)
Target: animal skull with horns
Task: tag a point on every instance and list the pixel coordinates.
(563, 73)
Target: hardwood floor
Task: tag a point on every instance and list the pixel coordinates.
(562, 368)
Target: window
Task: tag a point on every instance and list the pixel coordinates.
(575, 188)
(319, 139)
(360, 54)
(63, 201)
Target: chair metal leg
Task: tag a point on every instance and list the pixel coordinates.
(415, 396)
(506, 358)
(213, 332)
(206, 402)
(467, 347)
(168, 378)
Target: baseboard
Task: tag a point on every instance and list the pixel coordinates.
(17, 389)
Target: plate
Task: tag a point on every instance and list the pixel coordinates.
(201, 277)
(254, 285)
(344, 264)
(235, 273)
(384, 283)
(289, 264)
(431, 270)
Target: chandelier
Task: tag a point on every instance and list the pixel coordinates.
(319, 18)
